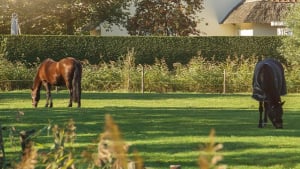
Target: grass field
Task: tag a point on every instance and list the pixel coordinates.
(166, 128)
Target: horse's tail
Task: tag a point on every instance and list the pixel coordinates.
(76, 83)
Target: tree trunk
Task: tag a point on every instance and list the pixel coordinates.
(69, 21)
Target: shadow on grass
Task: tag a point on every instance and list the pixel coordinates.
(111, 96)
(153, 96)
(161, 134)
(268, 159)
(156, 121)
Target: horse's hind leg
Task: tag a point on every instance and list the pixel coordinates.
(68, 85)
(261, 109)
(70, 101)
(48, 95)
(79, 103)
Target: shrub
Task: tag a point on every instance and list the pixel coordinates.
(27, 48)
(198, 75)
(14, 75)
(239, 73)
(102, 77)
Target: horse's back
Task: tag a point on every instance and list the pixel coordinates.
(48, 66)
(68, 64)
(68, 59)
(274, 71)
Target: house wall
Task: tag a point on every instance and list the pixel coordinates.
(258, 29)
(264, 30)
(116, 31)
(214, 12)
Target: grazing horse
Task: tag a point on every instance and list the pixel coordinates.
(66, 72)
(268, 85)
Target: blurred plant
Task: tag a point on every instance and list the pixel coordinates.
(111, 149)
(29, 158)
(60, 156)
(13, 132)
(209, 158)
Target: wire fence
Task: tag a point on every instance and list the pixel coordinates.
(159, 87)
(8, 85)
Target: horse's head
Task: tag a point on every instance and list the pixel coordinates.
(35, 96)
(275, 113)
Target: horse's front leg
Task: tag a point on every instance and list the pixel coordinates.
(48, 95)
(261, 109)
(266, 109)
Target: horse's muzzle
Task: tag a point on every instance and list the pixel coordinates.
(278, 126)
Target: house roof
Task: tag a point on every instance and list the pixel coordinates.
(258, 11)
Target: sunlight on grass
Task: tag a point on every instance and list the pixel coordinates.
(166, 128)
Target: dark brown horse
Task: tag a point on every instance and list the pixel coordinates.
(268, 85)
(66, 72)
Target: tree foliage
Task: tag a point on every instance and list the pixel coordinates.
(61, 17)
(165, 17)
(290, 47)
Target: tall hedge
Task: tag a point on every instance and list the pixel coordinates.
(27, 48)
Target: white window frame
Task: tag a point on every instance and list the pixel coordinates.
(246, 32)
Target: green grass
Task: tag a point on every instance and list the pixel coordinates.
(167, 128)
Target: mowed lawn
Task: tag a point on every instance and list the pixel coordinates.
(165, 129)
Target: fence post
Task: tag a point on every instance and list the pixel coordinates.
(143, 79)
(224, 81)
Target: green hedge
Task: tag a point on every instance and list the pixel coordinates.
(173, 49)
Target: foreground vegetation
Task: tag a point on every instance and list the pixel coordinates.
(164, 128)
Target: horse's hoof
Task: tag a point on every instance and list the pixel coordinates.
(46, 105)
(260, 126)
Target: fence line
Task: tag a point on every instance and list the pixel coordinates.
(162, 86)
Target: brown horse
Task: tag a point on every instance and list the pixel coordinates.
(66, 72)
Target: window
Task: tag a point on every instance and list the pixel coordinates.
(246, 32)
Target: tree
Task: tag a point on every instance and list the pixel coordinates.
(62, 17)
(290, 47)
(165, 17)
